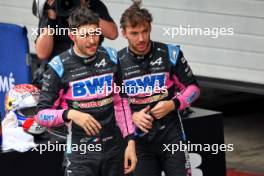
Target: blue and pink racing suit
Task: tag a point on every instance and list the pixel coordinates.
(86, 85)
(160, 75)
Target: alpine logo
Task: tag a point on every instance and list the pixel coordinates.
(102, 63)
(158, 62)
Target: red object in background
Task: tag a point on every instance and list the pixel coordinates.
(233, 172)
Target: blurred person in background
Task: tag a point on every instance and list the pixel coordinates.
(53, 14)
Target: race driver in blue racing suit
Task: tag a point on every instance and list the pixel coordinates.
(80, 80)
(164, 85)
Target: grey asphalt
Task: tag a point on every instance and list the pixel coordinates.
(243, 126)
(246, 132)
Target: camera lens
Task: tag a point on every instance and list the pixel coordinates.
(65, 7)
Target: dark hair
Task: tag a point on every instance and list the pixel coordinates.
(82, 16)
(135, 15)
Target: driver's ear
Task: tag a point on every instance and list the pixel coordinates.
(124, 33)
(72, 35)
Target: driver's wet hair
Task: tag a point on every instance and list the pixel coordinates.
(82, 16)
(135, 15)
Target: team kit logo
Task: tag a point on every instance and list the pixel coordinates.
(148, 84)
(104, 85)
(96, 85)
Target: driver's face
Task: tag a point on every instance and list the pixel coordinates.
(138, 37)
(85, 41)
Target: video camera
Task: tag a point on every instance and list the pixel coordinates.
(63, 8)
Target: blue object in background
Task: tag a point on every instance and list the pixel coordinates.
(14, 50)
(0, 133)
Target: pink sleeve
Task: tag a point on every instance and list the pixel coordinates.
(187, 96)
(49, 117)
(123, 115)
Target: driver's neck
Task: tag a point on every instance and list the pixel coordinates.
(78, 53)
(141, 53)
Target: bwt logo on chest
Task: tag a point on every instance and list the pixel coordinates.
(92, 86)
(145, 84)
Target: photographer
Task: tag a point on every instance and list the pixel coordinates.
(49, 45)
(54, 16)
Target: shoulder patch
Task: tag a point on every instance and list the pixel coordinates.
(112, 54)
(57, 65)
(174, 51)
